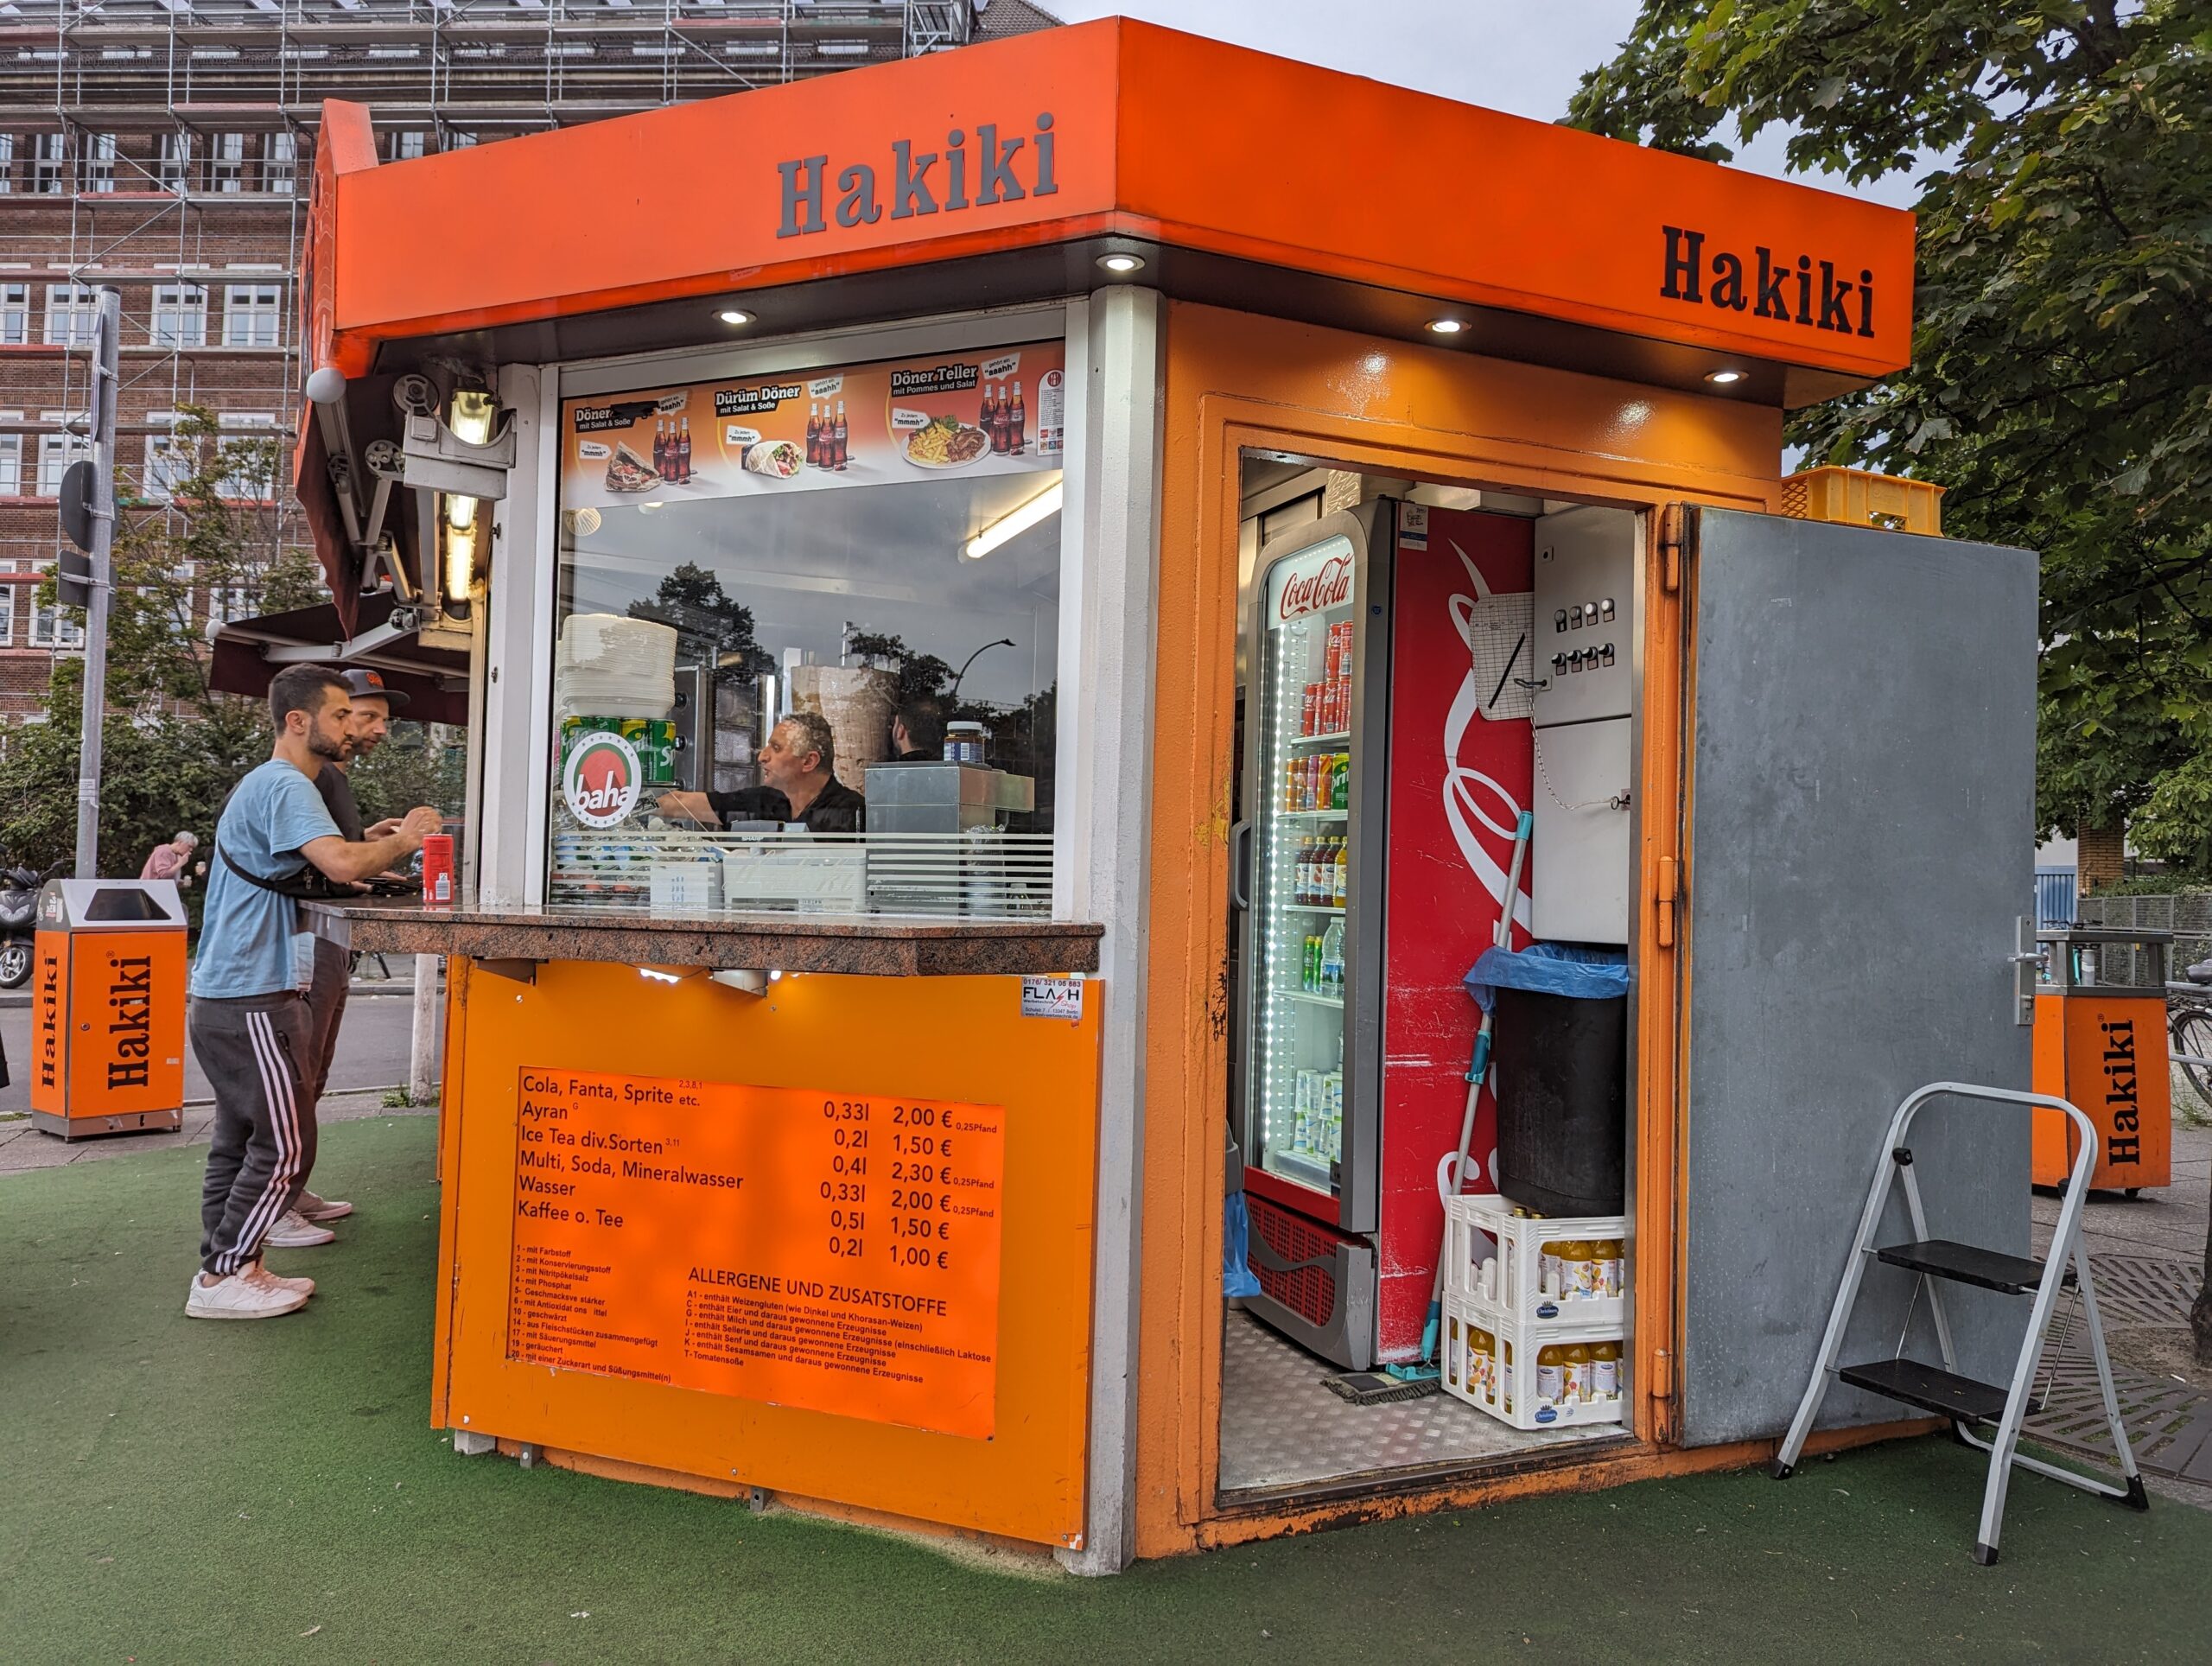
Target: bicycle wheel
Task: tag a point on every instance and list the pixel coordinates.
(2192, 1029)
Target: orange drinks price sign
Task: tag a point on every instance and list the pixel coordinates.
(835, 1253)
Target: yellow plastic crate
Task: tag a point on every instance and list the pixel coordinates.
(1859, 498)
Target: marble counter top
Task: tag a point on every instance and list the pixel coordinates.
(868, 947)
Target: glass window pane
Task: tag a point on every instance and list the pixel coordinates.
(874, 551)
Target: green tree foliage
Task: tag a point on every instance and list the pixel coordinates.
(712, 628)
(172, 748)
(2062, 378)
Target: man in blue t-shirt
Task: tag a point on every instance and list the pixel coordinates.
(249, 1017)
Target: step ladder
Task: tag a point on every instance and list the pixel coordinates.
(1942, 1389)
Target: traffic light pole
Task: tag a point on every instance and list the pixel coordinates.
(105, 362)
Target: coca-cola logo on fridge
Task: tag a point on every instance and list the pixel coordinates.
(1315, 583)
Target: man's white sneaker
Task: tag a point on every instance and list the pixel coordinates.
(241, 1296)
(293, 1231)
(262, 1275)
(310, 1208)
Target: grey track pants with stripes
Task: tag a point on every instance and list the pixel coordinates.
(258, 1053)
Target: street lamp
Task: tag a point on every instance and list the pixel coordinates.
(1003, 642)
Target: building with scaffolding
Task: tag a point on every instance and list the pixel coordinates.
(164, 148)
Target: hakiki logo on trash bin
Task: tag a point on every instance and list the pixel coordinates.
(601, 780)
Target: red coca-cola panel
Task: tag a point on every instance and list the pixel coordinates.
(1460, 766)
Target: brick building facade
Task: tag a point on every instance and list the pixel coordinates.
(164, 148)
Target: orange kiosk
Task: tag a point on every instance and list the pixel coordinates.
(107, 1001)
(992, 377)
(2102, 1046)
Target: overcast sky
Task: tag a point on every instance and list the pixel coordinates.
(1524, 56)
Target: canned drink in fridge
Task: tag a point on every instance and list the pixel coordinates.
(1311, 708)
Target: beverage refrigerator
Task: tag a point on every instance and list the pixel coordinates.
(1387, 760)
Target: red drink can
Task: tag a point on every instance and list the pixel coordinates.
(437, 871)
(1312, 708)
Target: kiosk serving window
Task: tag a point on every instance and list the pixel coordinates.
(807, 630)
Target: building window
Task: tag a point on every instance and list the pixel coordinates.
(50, 627)
(7, 607)
(72, 313)
(11, 466)
(99, 163)
(15, 314)
(56, 453)
(49, 164)
(180, 315)
(169, 463)
(227, 603)
(253, 316)
(172, 164)
(7, 161)
(226, 164)
(249, 468)
(406, 146)
(280, 164)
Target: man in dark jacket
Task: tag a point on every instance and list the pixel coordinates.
(798, 783)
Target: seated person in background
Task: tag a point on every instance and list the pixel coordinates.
(917, 732)
(799, 784)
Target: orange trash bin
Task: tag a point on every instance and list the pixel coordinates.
(107, 1008)
(2102, 1046)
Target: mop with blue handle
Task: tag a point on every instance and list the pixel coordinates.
(1425, 1366)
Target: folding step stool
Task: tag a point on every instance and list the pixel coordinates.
(1942, 1391)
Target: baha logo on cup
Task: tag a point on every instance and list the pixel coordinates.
(602, 778)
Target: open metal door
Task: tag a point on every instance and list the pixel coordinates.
(1860, 826)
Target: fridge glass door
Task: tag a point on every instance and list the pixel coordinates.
(1301, 730)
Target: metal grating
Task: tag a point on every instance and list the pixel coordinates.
(1309, 1292)
(2169, 1423)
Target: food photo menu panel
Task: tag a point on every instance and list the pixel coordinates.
(999, 412)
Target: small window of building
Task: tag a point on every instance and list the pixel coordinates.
(71, 314)
(50, 627)
(11, 465)
(406, 145)
(280, 164)
(180, 315)
(226, 164)
(253, 316)
(56, 453)
(49, 164)
(15, 314)
(8, 607)
(99, 163)
(169, 463)
(7, 161)
(173, 162)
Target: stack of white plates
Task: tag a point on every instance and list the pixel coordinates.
(610, 666)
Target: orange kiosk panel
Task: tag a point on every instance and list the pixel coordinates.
(2102, 1046)
(107, 1020)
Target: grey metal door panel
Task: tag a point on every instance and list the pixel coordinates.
(1861, 840)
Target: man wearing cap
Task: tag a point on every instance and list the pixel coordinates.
(366, 725)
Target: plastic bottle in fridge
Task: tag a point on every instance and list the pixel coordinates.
(1340, 881)
(1340, 781)
(1303, 891)
(1332, 958)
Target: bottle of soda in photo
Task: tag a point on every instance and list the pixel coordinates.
(660, 448)
(684, 452)
(813, 434)
(838, 462)
(1017, 424)
(995, 419)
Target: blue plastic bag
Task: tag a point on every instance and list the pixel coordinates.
(1567, 968)
(1236, 1278)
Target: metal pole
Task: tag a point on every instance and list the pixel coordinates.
(423, 1039)
(106, 343)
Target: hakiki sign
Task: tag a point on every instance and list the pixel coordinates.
(966, 175)
(1782, 290)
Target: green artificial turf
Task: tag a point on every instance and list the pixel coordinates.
(173, 1491)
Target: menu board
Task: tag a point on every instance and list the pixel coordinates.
(831, 1251)
(1002, 411)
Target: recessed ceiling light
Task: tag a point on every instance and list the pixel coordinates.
(1121, 265)
(732, 315)
(1723, 378)
(1446, 326)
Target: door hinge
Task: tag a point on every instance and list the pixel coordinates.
(1677, 532)
(1666, 1414)
(1666, 891)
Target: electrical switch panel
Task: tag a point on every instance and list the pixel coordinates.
(1586, 579)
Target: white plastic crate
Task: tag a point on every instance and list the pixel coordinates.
(1495, 1261)
(1511, 1393)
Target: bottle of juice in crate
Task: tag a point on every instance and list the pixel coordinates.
(1576, 1385)
(1576, 1270)
(1551, 1375)
(1548, 1268)
(1451, 1352)
(1505, 1376)
(1605, 1370)
(1611, 1267)
(1482, 1364)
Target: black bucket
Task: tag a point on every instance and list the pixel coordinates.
(1562, 1102)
